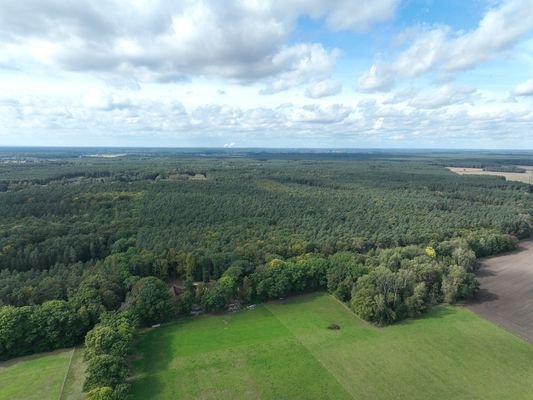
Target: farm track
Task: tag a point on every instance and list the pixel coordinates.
(506, 296)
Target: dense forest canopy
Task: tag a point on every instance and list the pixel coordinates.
(94, 239)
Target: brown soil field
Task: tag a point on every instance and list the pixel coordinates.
(510, 176)
(506, 296)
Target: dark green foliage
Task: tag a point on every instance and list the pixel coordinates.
(35, 287)
(149, 301)
(107, 347)
(105, 371)
(219, 294)
(31, 329)
(344, 269)
(183, 303)
(281, 278)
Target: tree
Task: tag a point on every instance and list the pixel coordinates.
(16, 331)
(150, 301)
(104, 339)
(183, 303)
(57, 325)
(101, 393)
(363, 303)
(466, 258)
(105, 371)
(430, 252)
(344, 289)
(218, 295)
(416, 303)
(247, 290)
(458, 284)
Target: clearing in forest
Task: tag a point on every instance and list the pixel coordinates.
(283, 350)
(523, 177)
(506, 296)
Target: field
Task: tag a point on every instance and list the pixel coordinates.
(510, 176)
(506, 296)
(34, 377)
(283, 350)
(41, 377)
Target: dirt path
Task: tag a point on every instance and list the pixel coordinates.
(506, 296)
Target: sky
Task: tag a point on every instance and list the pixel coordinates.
(267, 73)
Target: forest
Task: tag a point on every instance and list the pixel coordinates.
(91, 247)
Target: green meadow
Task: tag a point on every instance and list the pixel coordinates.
(38, 377)
(283, 350)
(41, 376)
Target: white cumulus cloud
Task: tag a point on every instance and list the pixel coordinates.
(323, 88)
(524, 88)
(444, 51)
(162, 40)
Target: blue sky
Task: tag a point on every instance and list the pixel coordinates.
(269, 73)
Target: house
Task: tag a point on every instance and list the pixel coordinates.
(176, 290)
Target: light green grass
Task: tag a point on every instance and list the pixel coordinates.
(75, 378)
(38, 377)
(284, 351)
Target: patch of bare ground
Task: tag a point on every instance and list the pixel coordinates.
(506, 296)
(523, 177)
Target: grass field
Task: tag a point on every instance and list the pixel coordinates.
(38, 377)
(283, 350)
(41, 377)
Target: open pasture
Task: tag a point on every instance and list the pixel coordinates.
(283, 350)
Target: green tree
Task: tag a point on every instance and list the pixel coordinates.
(105, 371)
(247, 290)
(101, 393)
(150, 301)
(104, 339)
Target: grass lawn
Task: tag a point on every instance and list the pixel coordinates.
(282, 350)
(37, 377)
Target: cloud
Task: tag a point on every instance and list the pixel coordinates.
(164, 121)
(300, 64)
(378, 77)
(323, 88)
(378, 124)
(317, 114)
(444, 51)
(523, 89)
(442, 96)
(164, 40)
(358, 15)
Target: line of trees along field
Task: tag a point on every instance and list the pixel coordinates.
(88, 248)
